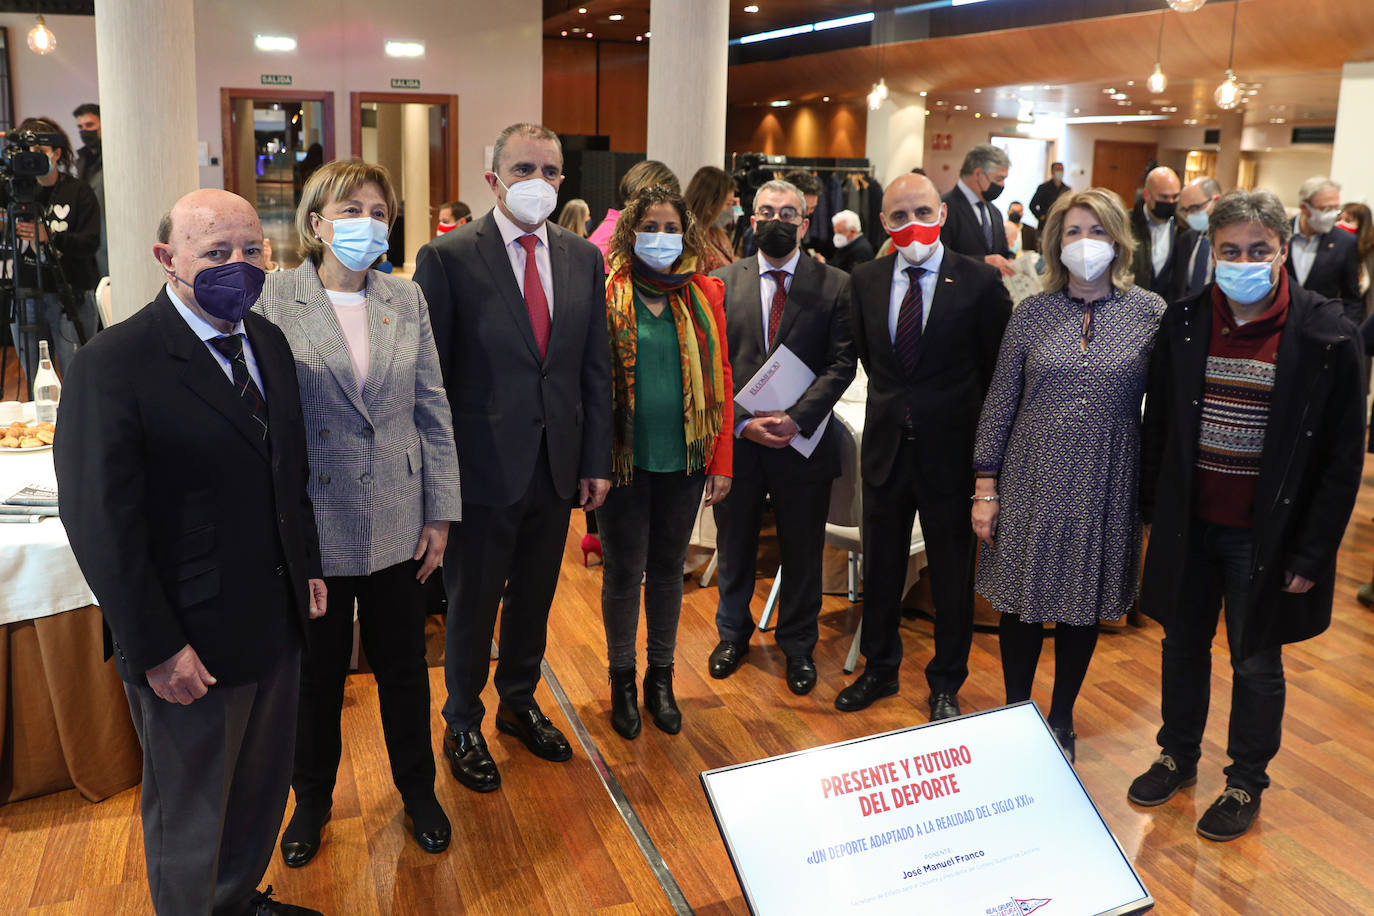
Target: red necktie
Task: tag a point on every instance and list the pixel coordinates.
(775, 310)
(536, 303)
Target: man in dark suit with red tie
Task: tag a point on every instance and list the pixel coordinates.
(518, 307)
(927, 324)
(781, 297)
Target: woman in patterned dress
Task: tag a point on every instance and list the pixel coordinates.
(1058, 452)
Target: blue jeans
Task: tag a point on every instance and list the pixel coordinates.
(645, 529)
(1219, 566)
(43, 319)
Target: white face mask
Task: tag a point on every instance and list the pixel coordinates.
(1322, 221)
(840, 240)
(1086, 259)
(530, 201)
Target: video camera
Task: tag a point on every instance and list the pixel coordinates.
(21, 167)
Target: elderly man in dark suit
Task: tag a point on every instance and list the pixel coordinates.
(973, 226)
(928, 322)
(181, 464)
(781, 297)
(1323, 257)
(518, 307)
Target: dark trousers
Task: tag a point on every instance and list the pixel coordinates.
(889, 512)
(215, 781)
(502, 552)
(800, 509)
(1020, 642)
(1219, 568)
(391, 623)
(645, 526)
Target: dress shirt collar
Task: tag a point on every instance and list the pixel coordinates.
(1297, 230)
(199, 326)
(510, 232)
(789, 268)
(972, 195)
(932, 263)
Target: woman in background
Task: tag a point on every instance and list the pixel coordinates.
(574, 217)
(711, 197)
(673, 437)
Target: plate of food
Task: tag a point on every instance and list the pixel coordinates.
(26, 437)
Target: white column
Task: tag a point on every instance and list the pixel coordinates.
(1354, 133)
(146, 66)
(896, 136)
(688, 61)
(415, 182)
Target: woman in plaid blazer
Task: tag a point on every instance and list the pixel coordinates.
(383, 480)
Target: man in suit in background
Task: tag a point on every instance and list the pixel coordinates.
(1323, 257)
(1027, 237)
(973, 227)
(851, 245)
(1045, 195)
(519, 313)
(182, 470)
(928, 322)
(1194, 263)
(781, 298)
(1155, 231)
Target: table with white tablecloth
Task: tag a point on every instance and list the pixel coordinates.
(64, 719)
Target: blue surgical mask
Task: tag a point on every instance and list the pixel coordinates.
(227, 291)
(1197, 220)
(358, 241)
(1245, 282)
(659, 250)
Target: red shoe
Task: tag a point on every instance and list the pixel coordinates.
(591, 544)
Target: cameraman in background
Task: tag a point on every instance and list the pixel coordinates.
(68, 232)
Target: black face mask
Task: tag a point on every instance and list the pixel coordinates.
(775, 238)
(1163, 210)
(91, 139)
(993, 192)
(1014, 217)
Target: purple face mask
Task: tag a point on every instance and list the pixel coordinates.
(227, 291)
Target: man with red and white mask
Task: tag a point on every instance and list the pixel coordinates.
(927, 324)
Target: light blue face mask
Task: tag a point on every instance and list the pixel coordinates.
(1245, 282)
(358, 241)
(659, 250)
(1198, 220)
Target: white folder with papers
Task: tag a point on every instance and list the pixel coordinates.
(780, 383)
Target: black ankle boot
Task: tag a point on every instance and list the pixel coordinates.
(624, 704)
(659, 700)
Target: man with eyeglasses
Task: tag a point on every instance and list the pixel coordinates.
(1325, 258)
(781, 298)
(1251, 457)
(1193, 260)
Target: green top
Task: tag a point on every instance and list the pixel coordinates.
(660, 442)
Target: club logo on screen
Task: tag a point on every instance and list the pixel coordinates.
(1017, 907)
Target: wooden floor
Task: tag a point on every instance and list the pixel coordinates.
(551, 840)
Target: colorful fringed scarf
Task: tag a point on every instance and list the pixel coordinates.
(700, 343)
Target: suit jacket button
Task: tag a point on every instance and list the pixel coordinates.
(279, 571)
(366, 478)
(324, 478)
(325, 434)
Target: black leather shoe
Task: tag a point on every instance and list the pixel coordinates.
(535, 730)
(943, 706)
(659, 699)
(262, 904)
(625, 704)
(429, 824)
(862, 693)
(1066, 738)
(301, 840)
(801, 674)
(726, 657)
(470, 760)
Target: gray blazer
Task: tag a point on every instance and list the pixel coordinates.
(382, 463)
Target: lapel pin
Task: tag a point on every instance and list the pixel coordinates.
(386, 321)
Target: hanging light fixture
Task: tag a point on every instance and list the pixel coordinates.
(878, 94)
(1158, 80)
(41, 38)
(1186, 6)
(1228, 94)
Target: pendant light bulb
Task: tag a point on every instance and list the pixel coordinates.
(881, 90)
(1186, 6)
(1157, 81)
(41, 38)
(1228, 94)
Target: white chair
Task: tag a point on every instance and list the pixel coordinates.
(104, 302)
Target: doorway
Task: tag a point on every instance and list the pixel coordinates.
(273, 140)
(1120, 166)
(1029, 166)
(415, 136)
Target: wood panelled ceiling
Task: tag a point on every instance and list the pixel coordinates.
(1290, 51)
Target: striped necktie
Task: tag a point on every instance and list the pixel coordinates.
(232, 349)
(909, 320)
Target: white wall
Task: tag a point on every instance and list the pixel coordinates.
(51, 85)
(1355, 132)
(1284, 170)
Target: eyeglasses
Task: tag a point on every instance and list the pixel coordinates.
(1195, 208)
(786, 214)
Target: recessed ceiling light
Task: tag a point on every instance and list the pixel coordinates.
(564, 33)
(648, 34)
(977, 114)
(1027, 88)
(582, 10)
(615, 17)
(639, 38)
(1075, 111)
(780, 103)
(1130, 82)
(825, 98)
(405, 49)
(923, 93)
(994, 114)
(590, 35)
(1119, 95)
(751, 8)
(278, 43)
(976, 91)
